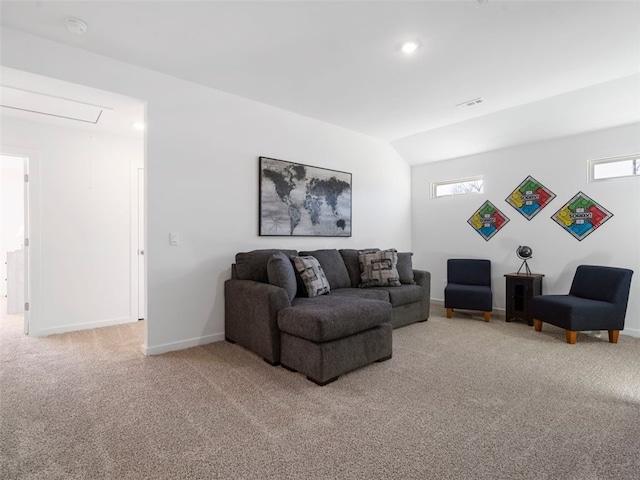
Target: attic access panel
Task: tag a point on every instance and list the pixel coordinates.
(42, 104)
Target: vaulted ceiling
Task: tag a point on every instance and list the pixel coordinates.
(543, 69)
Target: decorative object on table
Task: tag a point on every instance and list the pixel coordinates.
(597, 300)
(530, 197)
(488, 220)
(581, 215)
(301, 200)
(524, 253)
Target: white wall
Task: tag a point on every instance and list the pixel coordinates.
(81, 239)
(202, 181)
(11, 210)
(440, 229)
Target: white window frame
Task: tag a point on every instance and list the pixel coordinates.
(435, 185)
(591, 166)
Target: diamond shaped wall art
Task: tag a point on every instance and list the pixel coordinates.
(488, 220)
(581, 215)
(530, 197)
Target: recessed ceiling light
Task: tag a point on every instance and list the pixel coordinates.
(409, 47)
(138, 126)
(76, 26)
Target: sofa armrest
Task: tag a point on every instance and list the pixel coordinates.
(423, 278)
(251, 316)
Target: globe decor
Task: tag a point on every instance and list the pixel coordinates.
(488, 220)
(581, 215)
(530, 197)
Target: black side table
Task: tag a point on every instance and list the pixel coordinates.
(520, 290)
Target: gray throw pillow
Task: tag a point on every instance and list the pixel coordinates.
(281, 274)
(405, 268)
(379, 268)
(312, 275)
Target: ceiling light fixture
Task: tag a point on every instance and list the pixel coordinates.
(409, 47)
(76, 26)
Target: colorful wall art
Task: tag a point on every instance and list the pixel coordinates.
(530, 197)
(488, 220)
(581, 215)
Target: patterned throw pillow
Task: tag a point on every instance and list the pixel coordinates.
(312, 275)
(378, 268)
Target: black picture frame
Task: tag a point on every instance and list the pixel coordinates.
(298, 200)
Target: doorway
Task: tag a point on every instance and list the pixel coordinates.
(84, 198)
(14, 227)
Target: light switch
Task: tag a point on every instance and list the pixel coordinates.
(174, 239)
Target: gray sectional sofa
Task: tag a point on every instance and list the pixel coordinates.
(327, 335)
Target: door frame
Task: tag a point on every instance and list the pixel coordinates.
(31, 171)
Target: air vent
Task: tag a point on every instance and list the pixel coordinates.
(470, 103)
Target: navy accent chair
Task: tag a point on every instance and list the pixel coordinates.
(468, 286)
(597, 301)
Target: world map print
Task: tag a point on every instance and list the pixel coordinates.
(488, 220)
(530, 197)
(301, 200)
(581, 216)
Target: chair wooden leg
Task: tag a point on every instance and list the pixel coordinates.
(572, 335)
(537, 325)
(487, 316)
(613, 336)
(449, 312)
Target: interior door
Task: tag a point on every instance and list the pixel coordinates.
(142, 301)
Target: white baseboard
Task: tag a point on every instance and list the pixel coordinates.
(632, 332)
(496, 312)
(181, 345)
(43, 332)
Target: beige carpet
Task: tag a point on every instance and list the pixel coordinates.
(460, 399)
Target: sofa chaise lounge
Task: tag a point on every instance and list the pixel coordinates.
(325, 335)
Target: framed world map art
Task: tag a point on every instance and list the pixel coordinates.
(303, 201)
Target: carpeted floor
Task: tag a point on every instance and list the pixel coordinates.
(460, 399)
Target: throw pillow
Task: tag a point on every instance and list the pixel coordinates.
(379, 268)
(281, 274)
(312, 275)
(405, 268)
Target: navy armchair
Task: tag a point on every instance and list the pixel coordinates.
(468, 286)
(597, 300)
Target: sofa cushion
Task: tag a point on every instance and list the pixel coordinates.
(402, 295)
(405, 268)
(281, 274)
(352, 263)
(333, 265)
(365, 293)
(330, 317)
(378, 268)
(312, 275)
(253, 265)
